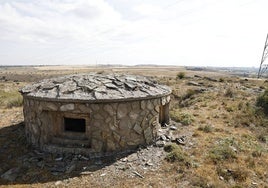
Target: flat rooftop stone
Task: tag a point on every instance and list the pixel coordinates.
(96, 87)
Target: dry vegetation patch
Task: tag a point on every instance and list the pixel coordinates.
(231, 130)
(9, 94)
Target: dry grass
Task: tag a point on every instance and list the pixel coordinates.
(9, 95)
(231, 132)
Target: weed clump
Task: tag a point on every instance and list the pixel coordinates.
(189, 94)
(100, 72)
(14, 102)
(229, 92)
(237, 173)
(181, 75)
(175, 154)
(206, 128)
(222, 152)
(229, 108)
(199, 181)
(9, 99)
(257, 153)
(263, 137)
(181, 117)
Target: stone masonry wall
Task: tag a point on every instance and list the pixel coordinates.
(112, 127)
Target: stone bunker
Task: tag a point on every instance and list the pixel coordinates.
(94, 114)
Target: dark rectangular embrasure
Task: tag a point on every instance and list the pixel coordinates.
(75, 125)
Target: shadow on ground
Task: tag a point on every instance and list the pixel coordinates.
(22, 164)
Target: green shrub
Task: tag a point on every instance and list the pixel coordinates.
(189, 93)
(175, 154)
(262, 101)
(206, 128)
(170, 147)
(181, 75)
(183, 118)
(222, 151)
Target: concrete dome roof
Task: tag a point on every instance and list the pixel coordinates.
(96, 87)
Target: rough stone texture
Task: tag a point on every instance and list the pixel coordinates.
(110, 126)
(94, 86)
(138, 129)
(67, 107)
(107, 131)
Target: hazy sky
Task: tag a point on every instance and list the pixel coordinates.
(173, 32)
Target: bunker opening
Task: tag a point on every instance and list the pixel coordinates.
(164, 114)
(75, 125)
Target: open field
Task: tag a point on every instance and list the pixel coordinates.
(225, 133)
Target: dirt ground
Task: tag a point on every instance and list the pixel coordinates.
(211, 111)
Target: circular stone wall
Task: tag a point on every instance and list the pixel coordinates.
(94, 114)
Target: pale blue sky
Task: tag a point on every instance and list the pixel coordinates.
(170, 32)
